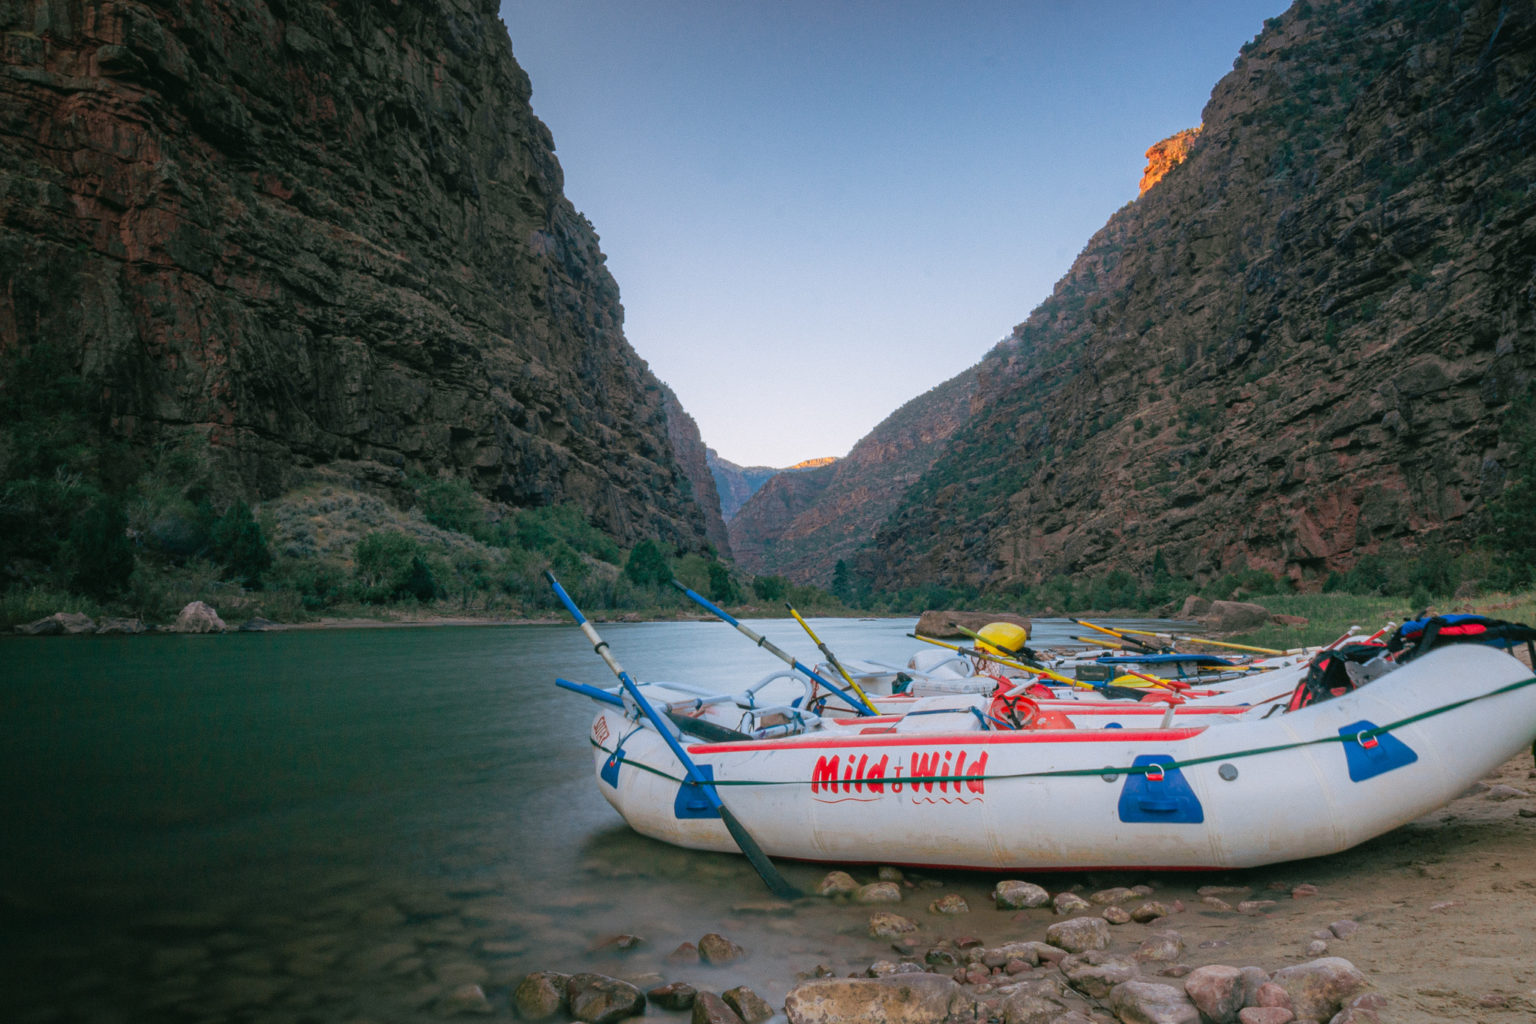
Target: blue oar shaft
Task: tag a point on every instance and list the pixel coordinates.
(588, 690)
(768, 645)
(776, 882)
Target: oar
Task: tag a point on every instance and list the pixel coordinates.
(832, 660)
(777, 884)
(1108, 689)
(1118, 634)
(767, 645)
(1098, 641)
(1213, 643)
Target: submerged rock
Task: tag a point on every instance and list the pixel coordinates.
(1320, 988)
(897, 999)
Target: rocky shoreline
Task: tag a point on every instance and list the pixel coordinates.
(1071, 977)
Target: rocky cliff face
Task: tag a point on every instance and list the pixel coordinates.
(1295, 348)
(693, 460)
(735, 484)
(801, 524)
(323, 235)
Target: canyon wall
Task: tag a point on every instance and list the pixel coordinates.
(325, 236)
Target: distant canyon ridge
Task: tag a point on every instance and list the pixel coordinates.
(332, 241)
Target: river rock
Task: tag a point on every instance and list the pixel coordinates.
(1116, 915)
(59, 624)
(1078, 934)
(1016, 895)
(898, 999)
(1094, 976)
(1036, 1001)
(466, 998)
(1254, 978)
(1161, 947)
(599, 999)
(999, 956)
(685, 953)
(1344, 929)
(1364, 1009)
(1150, 911)
(1269, 994)
(257, 624)
(949, 903)
(1217, 991)
(885, 925)
(716, 949)
(198, 617)
(709, 1008)
(677, 995)
(1265, 1015)
(837, 883)
(1070, 903)
(1320, 988)
(885, 968)
(749, 1006)
(878, 892)
(616, 944)
(1151, 1002)
(1111, 897)
(889, 873)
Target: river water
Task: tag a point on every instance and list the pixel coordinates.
(341, 825)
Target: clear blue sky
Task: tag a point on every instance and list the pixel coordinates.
(816, 210)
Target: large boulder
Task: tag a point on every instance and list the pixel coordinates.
(895, 999)
(942, 623)
(198, 617)
(59, 624)
(1235, 616)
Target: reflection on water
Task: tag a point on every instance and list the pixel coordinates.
(349, 824)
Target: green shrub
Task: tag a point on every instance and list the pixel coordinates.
(239, 545)
(770, 588)
(646, 564)
(452, 504)
(721, 587)
(389, 566)
(100, 553)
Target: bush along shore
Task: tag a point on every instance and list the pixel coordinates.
(91, 531)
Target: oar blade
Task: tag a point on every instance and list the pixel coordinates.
(776, 883)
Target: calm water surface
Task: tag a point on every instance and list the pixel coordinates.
(347, 824)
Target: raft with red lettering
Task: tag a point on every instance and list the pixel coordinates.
(949, 783)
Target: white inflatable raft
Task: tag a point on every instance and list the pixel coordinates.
(941, 786)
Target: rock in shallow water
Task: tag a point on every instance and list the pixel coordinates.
(1079, 934)
(1016, 895)
(716, 949)
(898, 999)
(1217, 991)
(837, 883)
(599, 999)
(749, 1006)
(885, 925)
(709, 1008)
